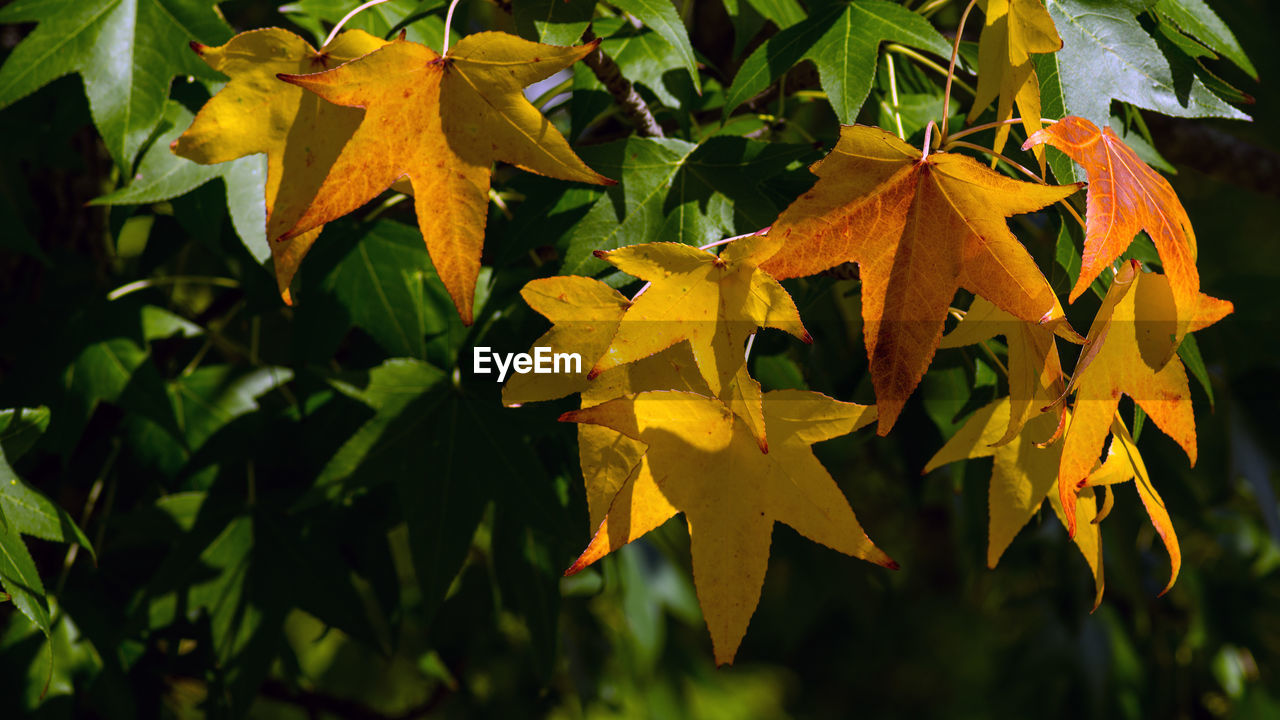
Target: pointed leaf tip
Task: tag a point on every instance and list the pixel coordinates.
(197, 48)
(602, 254)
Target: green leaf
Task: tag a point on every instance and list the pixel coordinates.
(783, 13)
(427, 439)
(18, 575)
(318, 16)
(642, 56)
(161, 175)
(1106, 54)
(19, 579)
(1199, 20)
(29, 512)
(213, 395)
(1189, 351)
(20, 428)
(675, 191)
(555, 22)
(126, 51)
(843, 42)
(662, 18)
(1053, 104)
(386, 284)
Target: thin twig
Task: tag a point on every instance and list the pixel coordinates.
(988, 126)
(1063, 202)
(334, 32)
(623, 92)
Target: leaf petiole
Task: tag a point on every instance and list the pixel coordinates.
(951, 70)
(334, 32)
(990, 125)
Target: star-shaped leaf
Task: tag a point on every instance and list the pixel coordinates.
(442, 121)
(1023, 476)
(1125, 197)
(586, 314)
(256, 112)
(126, 51)
(1128, 351)
(843, 40)
(713, 302)
(700, 462)
(918, 229)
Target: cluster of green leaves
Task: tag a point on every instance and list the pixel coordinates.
(319, 509)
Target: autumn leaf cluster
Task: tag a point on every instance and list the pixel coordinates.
(652, 281)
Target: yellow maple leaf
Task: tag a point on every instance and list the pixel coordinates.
(1035, 372)
(919, 228)
(585, 316)
(1014, 30)
(256, 112)
(1023, 476)
(1124, 463)
(699, 462)
(1128, 352)
(712, 302)
(442, 122)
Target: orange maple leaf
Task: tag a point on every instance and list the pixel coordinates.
(919, 228)
(443, 121)
(1126, 196)
(1128, 352)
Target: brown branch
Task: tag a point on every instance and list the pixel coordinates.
(623, 92)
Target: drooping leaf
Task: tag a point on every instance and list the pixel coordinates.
(1124, 463)
(1107, 54)
(126, 51)
(843, 41)
(662, 18)
(255, 112)
(918, 231)
(1023, 476)
(1128, 352)
(442, 122)
(1125, 197)
(1035, 372)
(1014, 30)
(700, 462)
